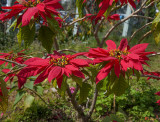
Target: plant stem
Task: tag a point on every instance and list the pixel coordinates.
(77, 107)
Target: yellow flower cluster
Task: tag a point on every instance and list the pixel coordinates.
(32, 4)
(59, 61)
(117, 53)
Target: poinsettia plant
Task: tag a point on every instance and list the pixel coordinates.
(108, 68)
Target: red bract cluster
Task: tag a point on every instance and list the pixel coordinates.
(12, 56)
(32, 8)
(120, 59)
(105, 4)
(96, 19)
(54, 67)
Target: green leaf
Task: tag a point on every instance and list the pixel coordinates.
(28, 35)
(157, 19)
(77, 80)
(84, 91)
(19, 96)
(138, 75)
(46, 37)
(107, 119)
(120, 86)
(14, 23)
(54, 25)
(28, 101)
(63, 88)
(102, 85)
(80, 5)
(156, 31)
(19, 37)
(115, 117)
(29, 85)
(3, 88)
(116, 85)
(39, 90)
(4, 96)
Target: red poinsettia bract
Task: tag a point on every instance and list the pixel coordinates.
(105, 4)
(120, 58)
(96, 19)
(54, 67)
(12, 56)
(31, 8)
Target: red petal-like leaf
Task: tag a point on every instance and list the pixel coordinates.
(29, 13)
(117, 68)
(55, 72)
(59, 81)
(139, 48)
(78, 74)
(104, 72)
(79, 62)
(42, 76)
(111, 44)
(123, 44)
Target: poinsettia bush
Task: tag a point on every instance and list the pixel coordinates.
(79, 74)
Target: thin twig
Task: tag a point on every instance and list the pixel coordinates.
(67, 50)
(152, 76)
(144, 36)
(138, 31)
(145, 17)
(93, 102)
(76, 90)
(10, 61)
(77, 107)
(96, 31)
(149, 4)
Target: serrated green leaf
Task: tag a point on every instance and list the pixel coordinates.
(46, 37)
(86, 72)
(84, 91)
(28, 101)
(116, 85)
(156, 31)
(29, 85)
(138, 75)
(107, 119)
(115, 118)
(157, 19)
(19, 96)
(77, 80)
(14, 23)
(80, 5)
(19, 36)
(103, 84)
(63, 88)
(4, 96)
(120, 86)
(28, 35)
(3, 88)
(39, 90)
(53, 25)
